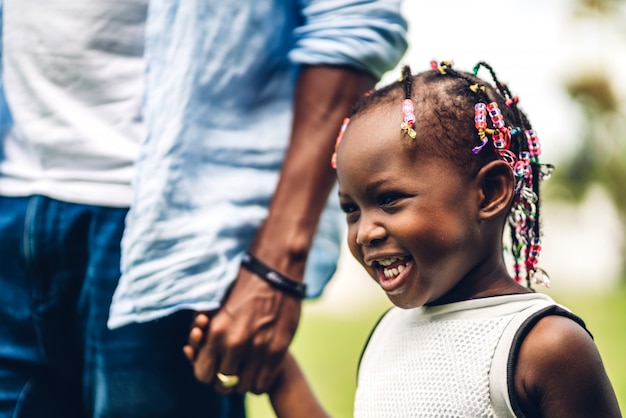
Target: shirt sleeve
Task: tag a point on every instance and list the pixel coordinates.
(365, 34)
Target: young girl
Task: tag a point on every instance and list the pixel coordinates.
(432, 171)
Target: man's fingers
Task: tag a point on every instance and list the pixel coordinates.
(204, 366)
(248, 370)
(232, 362)
(267, 371)
(273, 349)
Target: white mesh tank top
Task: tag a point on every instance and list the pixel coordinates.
(450, 360)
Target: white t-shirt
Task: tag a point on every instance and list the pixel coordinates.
(73, 79)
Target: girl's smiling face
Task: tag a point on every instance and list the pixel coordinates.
(413, 219)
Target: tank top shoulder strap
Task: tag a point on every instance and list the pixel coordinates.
(501, 379)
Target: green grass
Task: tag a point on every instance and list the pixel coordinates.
(328, 346)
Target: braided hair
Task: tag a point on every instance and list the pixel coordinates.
(472, 122)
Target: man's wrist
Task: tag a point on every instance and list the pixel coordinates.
(274, 278)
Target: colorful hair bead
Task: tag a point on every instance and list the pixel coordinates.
(500, 140)
(496, 115)
(539, 277)
(508, 157)
(533, 253)
(480, 108)
(333, 159)
(478, 148)
(522, 168)
(480, 122)
(476, 87)
(509, 102)
(408, 108)
(545, 171)
(442, 67)
(408, 118)
(523, 219)
(533, 144)
(480, 116)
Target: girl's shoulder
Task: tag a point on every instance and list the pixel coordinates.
(559, 371)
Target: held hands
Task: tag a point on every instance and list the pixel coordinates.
(289, 392)
(247, 337)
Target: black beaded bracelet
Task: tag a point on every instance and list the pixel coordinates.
(274, 278)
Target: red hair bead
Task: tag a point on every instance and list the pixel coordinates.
(512, 100)
(499, 140)
(344, 125)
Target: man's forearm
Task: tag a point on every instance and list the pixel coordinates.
(324, 96)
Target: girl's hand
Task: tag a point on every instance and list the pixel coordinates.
(197, 335)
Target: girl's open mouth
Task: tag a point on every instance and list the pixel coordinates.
(391, 272)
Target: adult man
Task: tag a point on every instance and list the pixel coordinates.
(214, 181)
(73, 75)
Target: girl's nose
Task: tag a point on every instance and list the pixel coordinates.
(370, 234)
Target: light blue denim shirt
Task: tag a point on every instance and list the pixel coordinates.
(220, 83)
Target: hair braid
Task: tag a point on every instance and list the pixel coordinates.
(407, 81)
(500, 86)
(518, 136)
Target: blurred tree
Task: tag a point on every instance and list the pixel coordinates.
(600, 157)
(601, 8)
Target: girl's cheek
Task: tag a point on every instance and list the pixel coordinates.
(353, 246)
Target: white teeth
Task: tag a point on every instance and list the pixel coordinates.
(388, 261)
(389, 273)
(385, 262)
(393, 272)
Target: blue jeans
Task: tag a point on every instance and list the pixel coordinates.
(59, 265)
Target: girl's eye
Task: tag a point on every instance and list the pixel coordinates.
(349, 208)
(387, 199)
(351, 211)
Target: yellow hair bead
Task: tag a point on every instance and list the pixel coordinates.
(408, 130)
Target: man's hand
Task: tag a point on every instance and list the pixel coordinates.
(249, 335)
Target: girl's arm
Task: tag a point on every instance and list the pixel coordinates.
(291, 395)
(559, 373)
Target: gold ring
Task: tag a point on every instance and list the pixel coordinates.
(228, 380)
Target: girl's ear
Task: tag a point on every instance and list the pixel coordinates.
(497, 184)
